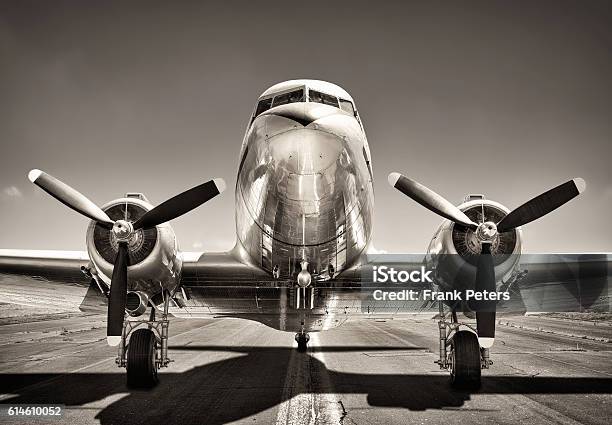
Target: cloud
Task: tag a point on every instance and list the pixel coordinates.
(197, 245)
(12, 192)
(373, 250)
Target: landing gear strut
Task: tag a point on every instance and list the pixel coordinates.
(147, 350)
(460, 352)
(302, 339)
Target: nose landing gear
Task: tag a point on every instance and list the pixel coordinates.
(302, 339)
(460, 352)
(147, 349)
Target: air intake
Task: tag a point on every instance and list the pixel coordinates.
(136, 303)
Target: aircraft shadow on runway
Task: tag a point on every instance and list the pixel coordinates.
(253, 381)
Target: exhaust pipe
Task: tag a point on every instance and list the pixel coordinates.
(136, 303)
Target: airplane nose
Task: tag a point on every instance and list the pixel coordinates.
(305, 151)
(308, 175)
(302, 177)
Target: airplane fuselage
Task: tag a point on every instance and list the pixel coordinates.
(304, 189)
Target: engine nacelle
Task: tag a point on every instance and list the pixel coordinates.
(154, 263)
(454, 249)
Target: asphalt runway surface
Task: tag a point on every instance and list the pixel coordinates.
(365, 372)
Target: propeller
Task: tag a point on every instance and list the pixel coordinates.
(485, 309)
(118, 291)
(69, 196)
(486, 233)
(430, 199)
(542, 204)
(180, 204)
(123, 231)
(526, 213)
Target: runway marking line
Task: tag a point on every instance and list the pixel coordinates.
(306, 406)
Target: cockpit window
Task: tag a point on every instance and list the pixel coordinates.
(326, 99)
(298, 95)
(263, 106)
(291, 97)
(347, 106)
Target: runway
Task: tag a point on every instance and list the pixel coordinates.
(366, 372)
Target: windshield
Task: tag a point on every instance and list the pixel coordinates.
(281, 99)
(347, 106)
(298, 95)
(291, 97)
(263, 106)
(317, 96)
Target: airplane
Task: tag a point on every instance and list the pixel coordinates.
(304, 202)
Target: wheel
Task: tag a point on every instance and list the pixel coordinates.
(302, 340)
(302, 345)
(465, 360)
(141, 361)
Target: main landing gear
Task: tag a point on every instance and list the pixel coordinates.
(460, 352)
(302, 339)
(147, 350)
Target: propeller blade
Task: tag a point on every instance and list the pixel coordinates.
(485, 310)
(180, 204)
(118, 294)
(430, 199)
(68, 196)
(485, 324)
(542, 204)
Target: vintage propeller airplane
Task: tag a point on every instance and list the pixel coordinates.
(304, 205)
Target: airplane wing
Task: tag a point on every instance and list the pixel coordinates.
(566, 282)
(52, 266)
(43, 282)
(207, 278)
(226, 285)
(223, 283)
(219, 269)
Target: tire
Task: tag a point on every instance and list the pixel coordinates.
(302, 345)
(465, 360)
(302, 341)
(141, 361)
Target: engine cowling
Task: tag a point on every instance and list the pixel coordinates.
(454, 249)
(154, 263)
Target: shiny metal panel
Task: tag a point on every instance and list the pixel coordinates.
(304, 191)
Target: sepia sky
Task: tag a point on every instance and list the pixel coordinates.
(503, 98)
